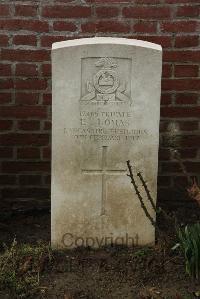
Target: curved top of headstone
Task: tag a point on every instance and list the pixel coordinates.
(106, 40)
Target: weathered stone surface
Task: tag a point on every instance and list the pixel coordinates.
(106, 103)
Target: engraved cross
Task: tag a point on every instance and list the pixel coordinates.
(104, 172)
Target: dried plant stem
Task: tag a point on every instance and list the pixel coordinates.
(182, 166)
(147, 191)
(139, 195)
(193, 189)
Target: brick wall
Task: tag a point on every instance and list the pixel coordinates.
(27, 30)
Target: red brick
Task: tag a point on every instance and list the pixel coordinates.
(167, 70)
(171, 167)
(47, 180)
(4, 39)
(187, 41)
(180, 181)
(30, 180)
(25, 193)
(181, 84)
(164, 125)
(30, 25)
(18, 166)
(7, 180)
(18, 139)
(166, 99)
(188, 125)
(47, 125)
(147, 12)
(187, 11)
(88, 27)
(69, 1)
(5, 70)
(60, 11)
(112, 1)
(28, 153)
(107, 12)
(112, 26)
(46, 70)
(26, 70)
(25, 55)
(180, 112)
(28, 125)
(181, 56)
(47, 99)
(6, 125)
(6, 83)
(192, 166)
(145, 27)
(164, 154)
(179, 97)
(181, 1)
(186, 70)
(180, 26)
(31, 84)
(4, 10)
(47, 41)
(164, 181)
(164, 41)
(25, 10)
(106, 26)
(29, 40)
(190, 141)
(23, 112)
(188, 153)
(64, 26)
(46, 153)
(6, 152)
(5, 98)
(186, 98)
(26, 98)
(147, 1)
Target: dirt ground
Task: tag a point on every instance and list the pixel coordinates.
(109, 273)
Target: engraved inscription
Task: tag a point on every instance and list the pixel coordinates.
(104, 115)
(105, 80)
(104, 172)
(102, 134)
(109, 119)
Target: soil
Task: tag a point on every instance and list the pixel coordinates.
(109, 273)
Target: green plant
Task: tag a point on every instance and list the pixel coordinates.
(189, 243)
(142, 252)
(20, 268)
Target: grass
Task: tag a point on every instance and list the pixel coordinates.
(20, 268)
(189, 243)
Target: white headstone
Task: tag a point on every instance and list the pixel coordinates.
(106, 103)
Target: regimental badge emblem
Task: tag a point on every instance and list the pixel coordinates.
(107, 81)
